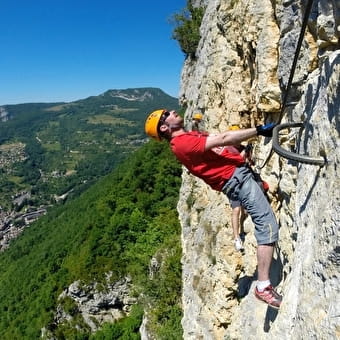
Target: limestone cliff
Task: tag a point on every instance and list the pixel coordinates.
(239, 74)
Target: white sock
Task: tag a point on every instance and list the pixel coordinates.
(261, 285)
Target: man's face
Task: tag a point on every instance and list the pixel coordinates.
(173, 119)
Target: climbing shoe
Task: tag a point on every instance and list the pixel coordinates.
(238, 244)
(269, 296)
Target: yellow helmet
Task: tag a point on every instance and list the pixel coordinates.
(234, 127)
(197, 116)
(151, 124)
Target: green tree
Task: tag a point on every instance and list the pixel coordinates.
(187, 28)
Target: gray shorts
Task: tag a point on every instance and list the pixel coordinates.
(243, 188)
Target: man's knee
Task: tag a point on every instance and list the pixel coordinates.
(267, 233)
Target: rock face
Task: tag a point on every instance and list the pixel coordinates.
(242, 66)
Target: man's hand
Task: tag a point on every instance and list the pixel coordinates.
(265, 130)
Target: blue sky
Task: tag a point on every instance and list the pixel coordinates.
(64, 50)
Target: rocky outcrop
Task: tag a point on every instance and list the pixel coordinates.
(241, 69)
(4, 115)
(92, 304)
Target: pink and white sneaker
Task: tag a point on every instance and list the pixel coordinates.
(269, 296)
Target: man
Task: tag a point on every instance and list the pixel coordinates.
(207, 157)
(196, 121)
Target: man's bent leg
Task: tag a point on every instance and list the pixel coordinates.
(264, 260)
(262, 215)
(266, 233)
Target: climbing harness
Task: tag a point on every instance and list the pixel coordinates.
(275, 141)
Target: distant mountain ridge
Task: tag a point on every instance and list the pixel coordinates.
(153, 96)
(134, 95)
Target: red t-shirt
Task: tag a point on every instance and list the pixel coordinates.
(214, 166)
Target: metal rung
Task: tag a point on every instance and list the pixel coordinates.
(292, 155)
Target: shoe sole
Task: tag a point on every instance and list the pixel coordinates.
(268, 304)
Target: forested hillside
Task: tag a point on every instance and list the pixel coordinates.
(116, 226)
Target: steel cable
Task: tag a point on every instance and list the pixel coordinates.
(275, 144)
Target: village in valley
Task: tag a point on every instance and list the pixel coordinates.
(20, 214)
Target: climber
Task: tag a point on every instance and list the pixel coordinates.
(196, 120)
(206, 157)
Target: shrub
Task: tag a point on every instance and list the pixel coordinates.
(187, 28)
